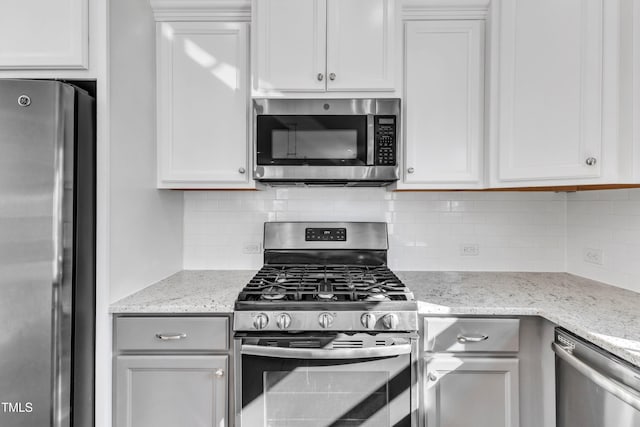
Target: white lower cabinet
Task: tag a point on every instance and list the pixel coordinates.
(169, 391)
(471, 372)
(171, 371)
(471, 392)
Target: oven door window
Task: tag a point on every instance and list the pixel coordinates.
(312, 140)
(322, 393)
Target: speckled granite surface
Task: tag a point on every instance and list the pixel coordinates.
(605, 315)
(188, 291)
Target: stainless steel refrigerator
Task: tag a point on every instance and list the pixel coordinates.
(47, 254)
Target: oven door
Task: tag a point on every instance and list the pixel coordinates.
(323, 386)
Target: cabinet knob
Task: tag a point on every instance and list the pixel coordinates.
(242, 170)
(332, 76)
(591, 161)
(320, 77)
(411, 170)
(219, 373)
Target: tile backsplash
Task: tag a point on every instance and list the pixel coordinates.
(522, 231)
(603, 236)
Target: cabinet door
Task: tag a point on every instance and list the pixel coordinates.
(360, 51)
(550, 84)
(444, 103)
(290, 43)
(44, 34)
(203, 105)
(471, 392)
(169, 391)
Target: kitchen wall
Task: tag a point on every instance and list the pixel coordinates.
(604, 227)
(145, 227)
(427, 230)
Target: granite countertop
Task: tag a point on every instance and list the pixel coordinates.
(605, 315)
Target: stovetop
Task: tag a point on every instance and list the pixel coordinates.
(336, 283)
(325, 276)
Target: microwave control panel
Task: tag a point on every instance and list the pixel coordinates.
(385, 140)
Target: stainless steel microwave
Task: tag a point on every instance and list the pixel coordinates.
(326, 141)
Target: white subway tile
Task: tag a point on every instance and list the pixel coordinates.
(426, 228)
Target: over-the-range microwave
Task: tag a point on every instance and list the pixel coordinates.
(350, 142)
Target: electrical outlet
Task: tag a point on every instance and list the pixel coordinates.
(251, 248)
(470, 249)
(593, 256)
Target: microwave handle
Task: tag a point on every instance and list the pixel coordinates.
(370, 139)
(322, 353)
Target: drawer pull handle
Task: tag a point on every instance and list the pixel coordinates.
(472, 338)
(170, 337)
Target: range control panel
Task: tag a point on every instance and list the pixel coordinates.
(385, 140)
(325, 234)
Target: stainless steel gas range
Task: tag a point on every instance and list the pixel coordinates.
(325, 333)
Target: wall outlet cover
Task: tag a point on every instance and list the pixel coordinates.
(593, 256)
(469, 249)
(251, 248)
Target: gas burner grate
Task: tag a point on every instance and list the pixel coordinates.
(324, 283)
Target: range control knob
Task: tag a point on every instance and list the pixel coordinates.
(325, 320)
(283, 321)
(368, 320)
(260, 321)
(390, 321)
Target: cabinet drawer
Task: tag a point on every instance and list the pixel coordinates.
(171, 333)
(450, 334)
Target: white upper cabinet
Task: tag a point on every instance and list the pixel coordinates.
(203, 107)
(44, 34)
(323, 46)
(443, 104)
(360, 35)
(290, 45)
(548, 91)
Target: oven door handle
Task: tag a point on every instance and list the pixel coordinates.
(322, 353)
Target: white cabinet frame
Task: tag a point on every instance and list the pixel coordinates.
(443, 104)
(324, 48)
(44, 34)
(524, 74)
(138, 376)
(436, 370)
(223, 135)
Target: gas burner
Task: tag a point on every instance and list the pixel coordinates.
(273, 293)
(331, 283)
(376, 294)
(325, 292)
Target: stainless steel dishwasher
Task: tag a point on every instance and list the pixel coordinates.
(593, 387)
